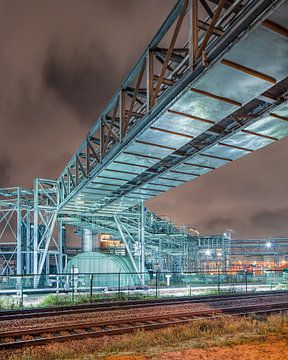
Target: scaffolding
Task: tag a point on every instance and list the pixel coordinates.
(29, 232)
(16, 224)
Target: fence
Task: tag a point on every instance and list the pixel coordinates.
(148, 284)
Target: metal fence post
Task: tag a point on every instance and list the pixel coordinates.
(246, 281)
(156, 284)
(21, 291)
(218, 284)
(119, 284)
(57, 284)
(72, 285)
(91, 287)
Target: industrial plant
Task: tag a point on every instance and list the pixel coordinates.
(172, 120)
(82, 256)
(36, 239)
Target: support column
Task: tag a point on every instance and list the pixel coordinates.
(126, 245)
(142, 241)
(28, 242)
(19, 235)
(35, 237)
(46, 199)
(60, 244)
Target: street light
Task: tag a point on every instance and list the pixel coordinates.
(268, 244)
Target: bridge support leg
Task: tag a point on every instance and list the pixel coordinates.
(19, 235)
(118, 223)
(142, 242)
(46, 200)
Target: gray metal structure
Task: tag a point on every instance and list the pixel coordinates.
(29, 232)
(208, 90)
(16, 209)
(272, 250)
(154, 243)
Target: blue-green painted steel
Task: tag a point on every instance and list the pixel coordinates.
(108, 265)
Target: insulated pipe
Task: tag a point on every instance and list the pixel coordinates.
(87, 240)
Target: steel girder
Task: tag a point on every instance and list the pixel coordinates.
(46, 234)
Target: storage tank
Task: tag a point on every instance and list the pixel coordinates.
(106, 269)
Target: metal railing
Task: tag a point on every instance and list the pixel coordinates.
(105, 286)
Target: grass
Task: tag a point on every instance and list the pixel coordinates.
(9, 303)
(202, 333)
(62, 300)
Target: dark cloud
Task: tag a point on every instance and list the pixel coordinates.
(80, 80)
(217, 224)
(5, 170)
(52, 166)
(271, 221)
(60, 63)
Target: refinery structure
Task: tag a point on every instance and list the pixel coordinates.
(172, 120)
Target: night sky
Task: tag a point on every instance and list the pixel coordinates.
(62, 60)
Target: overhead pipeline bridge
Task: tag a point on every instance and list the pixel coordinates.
(210, 88)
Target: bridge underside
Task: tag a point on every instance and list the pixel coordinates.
(230, 108)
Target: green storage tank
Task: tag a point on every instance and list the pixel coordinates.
(106, 269)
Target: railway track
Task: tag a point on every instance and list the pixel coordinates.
(78, 331)
(124, 305)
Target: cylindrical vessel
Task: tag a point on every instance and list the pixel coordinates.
(87, 240)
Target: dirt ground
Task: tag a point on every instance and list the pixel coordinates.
(270, 350)
(266, 351)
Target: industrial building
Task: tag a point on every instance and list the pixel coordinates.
(114, 243)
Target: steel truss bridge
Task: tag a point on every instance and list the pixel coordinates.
(210, 88)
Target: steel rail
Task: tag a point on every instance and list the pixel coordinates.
(126, 305)
(80, 331)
